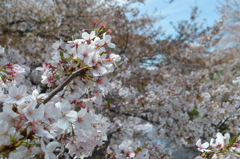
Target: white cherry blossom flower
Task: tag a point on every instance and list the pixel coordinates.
(5, 132)
(103, 83)
(49, 131)
(17, 95)
(7, 109)
(202, 147)
(84, 120)
(66, 114)
(219, 143)
(32, 113)
(58, 45)
(107, 40)
(98, 70)
(84, 53)
(88, 37)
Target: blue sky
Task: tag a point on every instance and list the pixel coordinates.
(180, 10)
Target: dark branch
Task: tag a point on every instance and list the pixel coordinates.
(75, 74)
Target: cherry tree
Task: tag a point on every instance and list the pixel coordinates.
(85, 101)
(46, 124)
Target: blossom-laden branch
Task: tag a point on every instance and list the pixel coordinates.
(223, 147)
(32, 129)
(75, 74)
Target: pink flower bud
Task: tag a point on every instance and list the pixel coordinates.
(109, 31)
(101, 26)
(94, 23)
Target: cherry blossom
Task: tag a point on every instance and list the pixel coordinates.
(6, 133)
(62, 113)
(88, 37)
(66, 115)
(17, 95)
(202, 147)
(221, 148)
(84, 120)
(93, 102)
(107, 41)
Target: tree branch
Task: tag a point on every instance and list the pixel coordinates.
(60, 87)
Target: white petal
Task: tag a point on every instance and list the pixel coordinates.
(65, 106)
(4, 126)
(12, 91)
(82, 112)
(92, 34)
(85, 35)
(205, 145)
(52, 145)
(111, 45)
(16, 155)
(63, 123)
(43, 145)
(22, 89)
(72, 116)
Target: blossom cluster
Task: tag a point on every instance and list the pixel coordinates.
(222, 147)
(127, 150)
(182, 107)
(10, 73)
(62, 122)
(66, 121)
